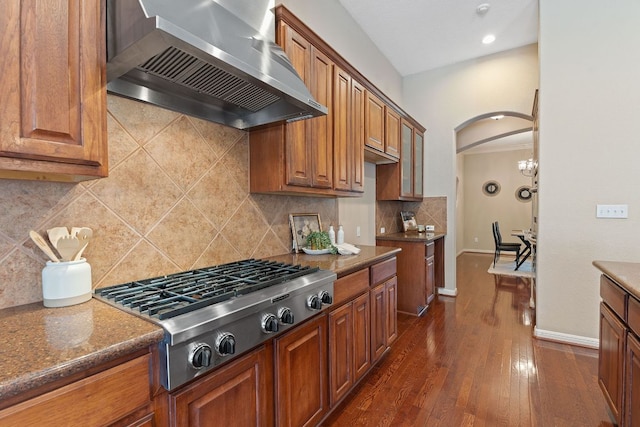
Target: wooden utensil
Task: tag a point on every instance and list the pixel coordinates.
(55, 234)
(42, 244)
(68, 247)
(84, 235)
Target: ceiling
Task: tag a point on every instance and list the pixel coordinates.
(420, 35)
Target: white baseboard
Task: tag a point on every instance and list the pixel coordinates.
(566, 338)
(448, 292)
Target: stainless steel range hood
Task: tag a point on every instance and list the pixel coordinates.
(198, 58)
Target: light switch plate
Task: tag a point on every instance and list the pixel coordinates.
(612, 211)
(430, 227)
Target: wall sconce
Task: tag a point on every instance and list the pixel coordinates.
(527, 167)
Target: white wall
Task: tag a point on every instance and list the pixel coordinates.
(481, 210)
(444, 98)
(589, 147)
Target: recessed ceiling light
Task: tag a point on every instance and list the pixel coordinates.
(483, 9)
(498, 117)
(488, 39)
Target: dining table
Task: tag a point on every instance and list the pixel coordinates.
(525, 237)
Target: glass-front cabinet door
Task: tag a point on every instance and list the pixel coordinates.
(406, 156)
(418, 160)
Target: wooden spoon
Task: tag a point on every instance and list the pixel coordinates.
(55, 234)
(68, 247)
(84, 235)
(42, 244)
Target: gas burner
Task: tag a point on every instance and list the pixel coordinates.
(221, 311)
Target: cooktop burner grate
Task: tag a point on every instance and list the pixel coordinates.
(175, 294)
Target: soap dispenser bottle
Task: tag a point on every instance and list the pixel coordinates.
(340, 235)
(332, 235)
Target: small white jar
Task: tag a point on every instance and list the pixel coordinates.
(66, 283)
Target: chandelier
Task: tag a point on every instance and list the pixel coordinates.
(527, 167)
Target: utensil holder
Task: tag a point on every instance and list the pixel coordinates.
(66, 283)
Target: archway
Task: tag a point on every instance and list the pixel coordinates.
(488, 147)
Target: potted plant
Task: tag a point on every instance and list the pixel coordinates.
(318, 240)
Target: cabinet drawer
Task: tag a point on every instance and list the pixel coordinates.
(349, 286)
(613, 296)
(430, 250)
(383, 270)
(105, 397)
(634, 316)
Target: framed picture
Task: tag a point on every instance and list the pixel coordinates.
(491, 188)
(409, 222)
(301, 225)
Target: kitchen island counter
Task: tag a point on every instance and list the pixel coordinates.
(43, 345)
(625, 274)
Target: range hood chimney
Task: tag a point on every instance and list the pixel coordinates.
(197, 58)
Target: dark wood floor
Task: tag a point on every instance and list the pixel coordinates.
(472, 361)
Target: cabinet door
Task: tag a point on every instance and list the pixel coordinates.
(391, 302)
(361, 336)
(378, 322)
(374, 117)
(633, 381)
(611, 360)
(430, 278)
(238, 394)
(321, 127)
(392, 133)
(298, 133)
(301, 374)
(52, 80)
(418, 161)
(342, 148)
(406, 160)
(357, 135)
(341, 329)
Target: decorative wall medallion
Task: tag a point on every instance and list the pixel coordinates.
(491, 188)
(524, 194)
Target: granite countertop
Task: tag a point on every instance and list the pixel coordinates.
(41, 345)
(626, 274)
(340, 264)
(412, 236)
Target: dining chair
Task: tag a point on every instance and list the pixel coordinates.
(502, 246)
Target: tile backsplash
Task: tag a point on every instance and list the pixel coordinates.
(177, 197)
(430, 211)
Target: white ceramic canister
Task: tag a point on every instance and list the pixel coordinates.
(66, 283)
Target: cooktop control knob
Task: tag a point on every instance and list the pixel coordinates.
(269, 323)
(314, 302)
(201, 356)
(226, 344)
(325, 297)
(286, 316)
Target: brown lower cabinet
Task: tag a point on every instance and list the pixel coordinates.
(420, 271)
(241, 391)
(619, 352)
(633, 380)
(117, 396)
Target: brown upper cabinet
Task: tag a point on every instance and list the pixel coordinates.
(52, 79)
(404, 180)
(382, 127)
(324, 156)
(297, 157)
